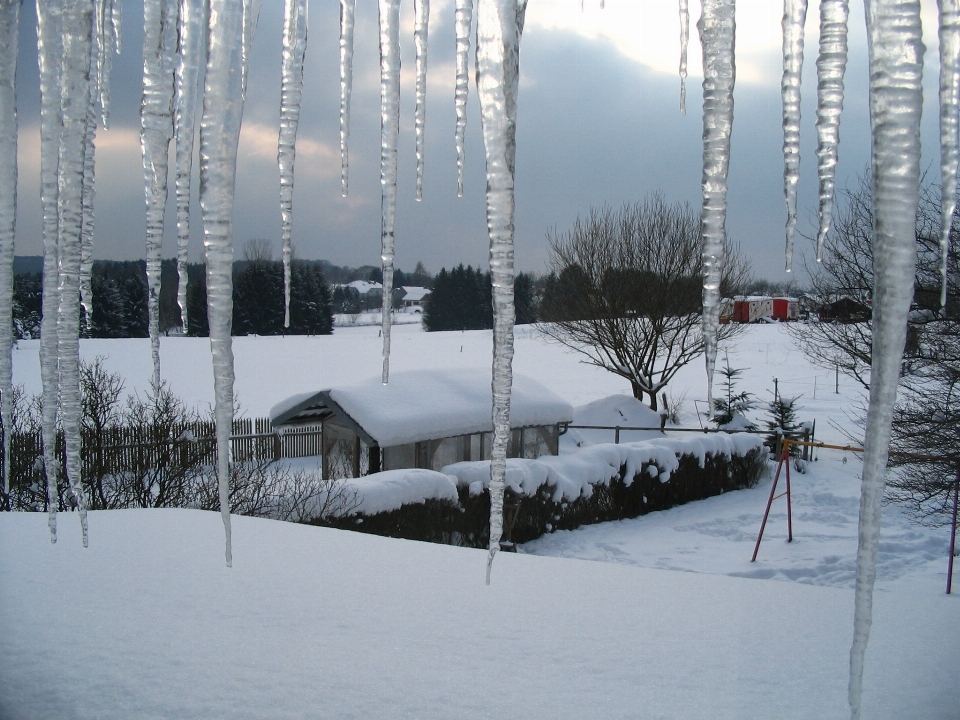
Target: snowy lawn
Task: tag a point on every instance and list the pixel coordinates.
(314, 622)
(310, 622)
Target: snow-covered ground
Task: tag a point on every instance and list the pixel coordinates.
(312, 622)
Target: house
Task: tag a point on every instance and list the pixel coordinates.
(845, 310)
(414, 298)
(423, 419)
(366, 289)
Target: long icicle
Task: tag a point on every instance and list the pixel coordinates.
(347, 9)
(190, 33)
(831, 66)
(219, 137)
(684, 41)
(389, 131)
(156, 123)
(291, 89)
(50, 44)
(420, 34)
(464, 18)
(9, 34)
(75, 107)
(89, 192)
(949, 127)
(895, 50)
(717, 28)
(499, 27)
(794, 18)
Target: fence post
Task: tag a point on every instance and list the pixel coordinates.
(953, 530)
(277, 446)
(616, 436)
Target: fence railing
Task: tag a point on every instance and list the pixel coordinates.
(119, 449)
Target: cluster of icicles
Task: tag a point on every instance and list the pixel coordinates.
(77, 39)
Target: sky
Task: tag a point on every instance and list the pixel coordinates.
(598, 123)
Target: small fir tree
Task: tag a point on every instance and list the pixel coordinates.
(731, 404)
(782, 422)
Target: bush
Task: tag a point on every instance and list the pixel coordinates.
(467, 523)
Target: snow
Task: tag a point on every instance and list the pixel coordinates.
(614, 410)
(573, 474)
(313, 622)
(426, 405)
(388, 490)
(673, 621)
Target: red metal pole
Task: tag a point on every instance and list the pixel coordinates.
(766, 512)
(953, 531)
(786, 459)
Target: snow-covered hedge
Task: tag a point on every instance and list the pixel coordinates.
(594, 484)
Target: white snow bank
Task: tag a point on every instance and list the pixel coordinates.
(622, 410)
(385, 491)
(573, 474)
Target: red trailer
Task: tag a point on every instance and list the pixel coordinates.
(785, 309)
(752, 309)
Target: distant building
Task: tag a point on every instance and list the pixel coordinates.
(414, 298)
(366, 289)
(423, 419)
(845, 310)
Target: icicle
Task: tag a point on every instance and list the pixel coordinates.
(89, 191)
(251, 15)
(499, 27)
(188, 54)
(156, 122)
(219, 137)
(50, 45)
(717, 28)
(420, 41)
(9, 32)
(896, 98)
(794, 18)
(389, 130)
(684, 39)
(291, 88)
(115, 22)
(949, 119)
(75, 107)
(831, 65)
(347, 8)
(464, 18)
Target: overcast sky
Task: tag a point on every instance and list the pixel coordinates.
(599, 122)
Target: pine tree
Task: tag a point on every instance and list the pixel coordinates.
(730, 404)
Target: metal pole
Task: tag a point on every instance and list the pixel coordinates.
(837, 387)
(786, 455)
(616, 436)
(766, 513)
(953, 531)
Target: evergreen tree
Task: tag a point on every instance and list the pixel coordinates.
(730, 404)
(27, 305)
(782, 422)
(461, 300)
(197, 325)
(311, 308)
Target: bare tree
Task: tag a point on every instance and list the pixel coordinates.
(625, 291)
(258, 250)
(925, 443)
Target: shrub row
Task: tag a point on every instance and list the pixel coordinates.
(467, 523)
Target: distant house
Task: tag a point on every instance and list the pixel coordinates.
(423, 419)
(845, 310)
(366, 289)
(414, 298)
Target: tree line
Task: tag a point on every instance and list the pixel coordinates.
(462, 299)
(120, 300)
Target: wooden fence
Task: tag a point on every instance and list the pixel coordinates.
(119, 449)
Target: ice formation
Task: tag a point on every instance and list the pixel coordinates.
(717, 28)
(156, 131)
(347, 9)
(9, 33)
(389, 132)
(189, 34)
(949, 122)
(49, 46)
(291, 89)
(420, 34)
(684, 39)
(896, 101)
(831, 65)
(463, 21)
(219, 136)
(794, 17)
(75, 106)
(499, 26)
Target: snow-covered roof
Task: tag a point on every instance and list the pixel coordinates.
(414, 293)
(424, 405)
(363, 287)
